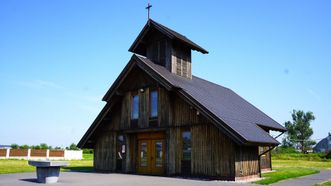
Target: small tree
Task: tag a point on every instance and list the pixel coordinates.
(72, 147)
(43, 146)
(35, 147)
(24, 146)
(299, 130)
(14, 146)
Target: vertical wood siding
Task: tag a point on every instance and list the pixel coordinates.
(105, 152)
(175, 145)
(265, 159)
(246, 161)
(212, 152)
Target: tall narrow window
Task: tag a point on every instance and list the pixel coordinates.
(135, 107)
(186, 158)
(186, 145)
(153, 104)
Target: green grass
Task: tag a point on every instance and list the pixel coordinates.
(284, 173)
(300, 156)
(328, 183)
(88, 156)
(292, 165)
(15, 166)
(326, 165)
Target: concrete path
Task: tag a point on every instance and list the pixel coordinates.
(309, 180)
(97, 179)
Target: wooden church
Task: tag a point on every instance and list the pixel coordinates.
(159, 119)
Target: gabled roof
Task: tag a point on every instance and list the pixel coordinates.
(236, 117)
(324, 145)
(139, 47)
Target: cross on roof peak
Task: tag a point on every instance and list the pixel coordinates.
(148, 7)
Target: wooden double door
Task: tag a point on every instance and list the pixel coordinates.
(151, 153)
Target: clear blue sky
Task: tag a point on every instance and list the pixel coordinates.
(58, 58)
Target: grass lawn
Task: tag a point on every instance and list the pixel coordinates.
(284, 173)
(16, 166)
(302, 163)
(324, 184)
(294, 165)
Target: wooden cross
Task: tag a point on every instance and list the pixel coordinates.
(149, 6)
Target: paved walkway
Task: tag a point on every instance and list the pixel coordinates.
(97, 179)
(309, 180)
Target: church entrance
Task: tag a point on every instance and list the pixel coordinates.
(151, 153)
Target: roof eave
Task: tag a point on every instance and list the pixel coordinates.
(279, 129)
(92, 128)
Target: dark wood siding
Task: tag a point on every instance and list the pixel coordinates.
(144, 109)
(105, 152)
(265, 159)
(247, 163)
(208, 156)
(181, 61)
(213, 154)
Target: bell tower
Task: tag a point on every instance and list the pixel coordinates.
(167, 48)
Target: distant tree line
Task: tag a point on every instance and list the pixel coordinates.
(44, 146)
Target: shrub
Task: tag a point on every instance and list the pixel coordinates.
(72, 147)
(282, 150)
(14, 146)
(87, 151)
(24, 147)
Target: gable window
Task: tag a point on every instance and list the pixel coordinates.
(153, 104)
(135, 107)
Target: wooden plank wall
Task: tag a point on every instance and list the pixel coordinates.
(212, 152)
(131, 153)
(56, 153)
(18, 152)
(38, 153)
(126, 111)
(164, 108)
(144, 106)
(265, 159)
(181, 61)
(182, 116)
(175, 154)
(247, 163)
(105, 152)
(3, 152)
